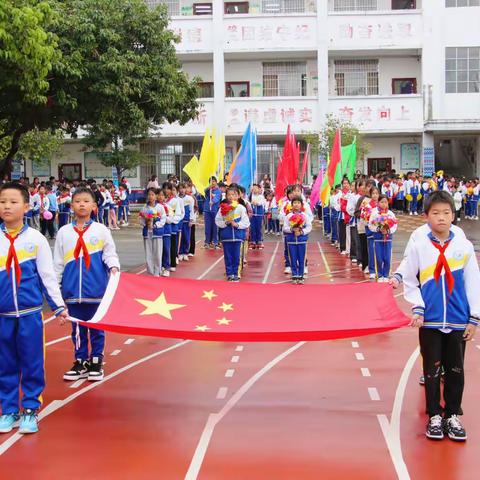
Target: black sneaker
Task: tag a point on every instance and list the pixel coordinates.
(95, 371)
(78, 371)
(435, 428)
(454, 429)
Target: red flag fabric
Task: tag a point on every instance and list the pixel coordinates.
(306, 157)
(284, 165)
(222, 311)
(335, 157)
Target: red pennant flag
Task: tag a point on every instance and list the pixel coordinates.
(306, 158)
(221, 311)
(283, 168)
(335, 158)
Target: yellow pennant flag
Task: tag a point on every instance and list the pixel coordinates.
(192, 169)
(221, 157)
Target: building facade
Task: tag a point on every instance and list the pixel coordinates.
(406, 72)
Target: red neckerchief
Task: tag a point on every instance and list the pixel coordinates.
(12, 257)
(442, 263)
(81, 246)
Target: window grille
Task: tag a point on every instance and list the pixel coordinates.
(172, 5)
(462, 70)
(462, 3)
(356, 77)
(351, 5)
(287, 6)
(284, 79)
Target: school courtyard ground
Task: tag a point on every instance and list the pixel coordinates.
(172, 409)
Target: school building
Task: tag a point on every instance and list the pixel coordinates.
(406, 72)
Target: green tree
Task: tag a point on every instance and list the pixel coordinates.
(321, 143)
(117, 75)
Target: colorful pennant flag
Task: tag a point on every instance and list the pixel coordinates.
(192, 169)
(244, 167)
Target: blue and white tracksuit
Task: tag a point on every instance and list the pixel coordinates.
(83, 288)
(232, 238)
(413, 189)
(175, 205)
(213, 197)
(259, 205)
(297, 246)
(189, 215)
(432, 300)
(382, 244)
(152, 232)
(64, 203)
(167, 240)
(326, 215)
(22, 344)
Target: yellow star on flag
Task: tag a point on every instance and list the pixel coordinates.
(224, 321)
(160, 306)
(226, 307)
(202, 328)
(209, 295)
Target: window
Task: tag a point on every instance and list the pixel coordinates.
(462, 3)
(462, 69)
(356, 77)
(404, 86)
(285, 6)
(202, 8)
(205, 90)
(237, 89)
(349, 5)
(172, 5)
(403, 4)
(236, 7)
(284, 79)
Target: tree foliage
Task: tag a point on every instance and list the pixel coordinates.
(321, 143)
(115, 74)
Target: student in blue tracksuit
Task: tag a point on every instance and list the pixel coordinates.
(259, 206)
(187, 222)
(26, 276)
(64, 200)
(167, 232)
(84, 258)
(334, 214)
(175, 205)
(326, 215)
(383, 224)
(213, 197)
(296, 227)
(233, 222)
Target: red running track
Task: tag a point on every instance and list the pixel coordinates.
(172, 410)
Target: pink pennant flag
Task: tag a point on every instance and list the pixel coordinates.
(315, 194)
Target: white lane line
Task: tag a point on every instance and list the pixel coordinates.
(324, 258)
(58, 340)
(54, 406)
(359, 356)
(239, 348)
(222, 393)
(374, 395)
(215, 418)
(398, 295)
(355, 345)
(365, 372)
(49, 319)
(78, 383)
(115, 353)
(391, 430)
(129, 341)
(235, 359)
(210, 268)
(141, 271)
(270, 264)
(229, 373)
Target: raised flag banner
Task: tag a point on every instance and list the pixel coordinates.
(232, 312)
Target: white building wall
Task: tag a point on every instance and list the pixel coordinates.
(204, 70)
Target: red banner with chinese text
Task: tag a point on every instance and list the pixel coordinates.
(222, 311)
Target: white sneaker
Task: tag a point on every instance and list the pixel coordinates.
(165, 273)
(287, 270)
(372, 276)
(278, 234)
(415, 213)
(411, 213)
(354, 260)
(173, 269)
(179, 259)
(185, 258)
(305, 270)
(344, 253)
(366, 270)
(190, 255)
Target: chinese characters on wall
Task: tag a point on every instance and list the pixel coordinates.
(376, 31)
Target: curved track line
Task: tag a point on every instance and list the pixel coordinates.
(391, 430)
(215, 418)
(57, 404)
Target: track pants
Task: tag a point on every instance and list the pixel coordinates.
(256, 229)
(185, 239)
(342, 234)
(192, 240)
(383, 256)
(371, 251)
(86, 311)
(363, 259)
(173, 250)
(334, 222)
(153, 254)
(211, 229)
(286, 255)
(231, 254)
(21, 362)
(167, 243)
(327, 227)
(443, 349)
(297, 252)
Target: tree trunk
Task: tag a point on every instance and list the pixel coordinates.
(6, 163)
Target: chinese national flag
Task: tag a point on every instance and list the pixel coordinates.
(221, 311)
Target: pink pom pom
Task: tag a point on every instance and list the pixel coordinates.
(47, 215)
